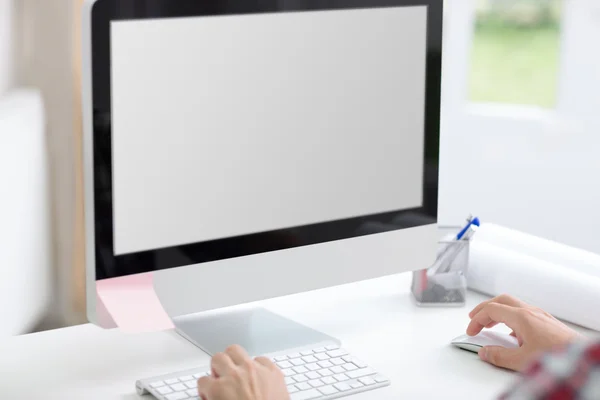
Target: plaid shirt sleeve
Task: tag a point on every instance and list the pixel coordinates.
(569, 373)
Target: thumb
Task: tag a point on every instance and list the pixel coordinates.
(502, 357)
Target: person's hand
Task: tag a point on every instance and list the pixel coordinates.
(235, 376)
(536, 330)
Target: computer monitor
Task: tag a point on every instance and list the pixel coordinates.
(246, 150)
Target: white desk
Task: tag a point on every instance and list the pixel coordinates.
(376, 320)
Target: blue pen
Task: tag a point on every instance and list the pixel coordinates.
(470, 221)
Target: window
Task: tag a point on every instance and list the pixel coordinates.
(515, 52)
(520, 116)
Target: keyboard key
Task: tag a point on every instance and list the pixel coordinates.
(288, 372)
(358, 363)
(359, 373)
(310, 359)
(191, 384)
(328, 390)
(292, 389)
(337, 369)
(338, 361)
(320, 350)
(332, 347)
(294, 355)
(192, 392)
(380, 378)
(325, 372)
(298, 361)
(354, 361)
(300, 370)
(325, 364)
(313, 375)
(300, 378)
(342, 387)
(306, 353)
(284, 364)
(157, 384)
(281, 358)
(289, 380)
(176, 396)
(305, 395)
(178, 387)
(322, 356)
(303, 386)
(367, 381)
(171, 381)
(164, 390)
(313, 366)
(337, 353)
(349, 367)
(341, 377)
(328, 380)
(356, 385)
(316, 383)
(200, 375)
(186, 378)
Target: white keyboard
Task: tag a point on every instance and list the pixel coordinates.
(314, 373)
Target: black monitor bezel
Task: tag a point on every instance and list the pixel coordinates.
(109, 265)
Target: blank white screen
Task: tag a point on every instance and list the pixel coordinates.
(230, 125)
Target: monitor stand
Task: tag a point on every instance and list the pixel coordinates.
(132, 304)
(257, 330)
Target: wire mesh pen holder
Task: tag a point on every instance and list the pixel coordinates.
(444, 284)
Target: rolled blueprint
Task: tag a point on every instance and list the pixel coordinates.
(543, 249)
(564, 292)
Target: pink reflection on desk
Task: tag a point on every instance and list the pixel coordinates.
(132, 304)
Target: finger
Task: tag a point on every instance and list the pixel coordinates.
(502, 299)
(494, 312)
(265, 362)
(205, 385)
(502, 357)
(221, 365)
(519, 340)
(238, 355)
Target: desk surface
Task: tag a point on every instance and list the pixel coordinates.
(376, 320)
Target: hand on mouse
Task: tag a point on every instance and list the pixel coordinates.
(235, 376)
(536, 330)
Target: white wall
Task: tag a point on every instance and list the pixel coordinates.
(543, 182)
(49, 67)
(36, 50)
(526, 168)
(25, 255)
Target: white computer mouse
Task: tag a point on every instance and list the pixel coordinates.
(485, 338)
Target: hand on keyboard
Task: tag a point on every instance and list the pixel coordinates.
(235, 376)
(311, 373)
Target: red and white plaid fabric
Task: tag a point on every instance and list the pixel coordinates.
(572, 372)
